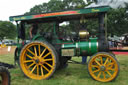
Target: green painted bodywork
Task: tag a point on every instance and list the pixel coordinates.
(94, 45)
(38, 37)
(85, 47)
(61, 14)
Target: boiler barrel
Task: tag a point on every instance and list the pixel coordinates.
(82, 48)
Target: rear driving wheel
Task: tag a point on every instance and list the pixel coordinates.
(103, 67)
(38, 60)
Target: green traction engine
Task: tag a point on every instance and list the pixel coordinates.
(43, 54)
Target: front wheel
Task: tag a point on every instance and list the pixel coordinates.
(103, 67)
(38, 60)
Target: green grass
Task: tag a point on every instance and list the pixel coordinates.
(74, 74)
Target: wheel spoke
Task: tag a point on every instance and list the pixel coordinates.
(45, 68)
(110, 64)
(101, 60)
(97, 62)
(99, 74)
(43, 52)
(31, 65)
(111, 69)
(31, 52)
(48, 64)
(109, 73)
(42, 72)
(104, 75)
(35, 50)
(48, 59)
(33, 69)
(106, 61)
(46, 55)
(95, 66)
(37, 69)
(28, 61)
(29, 56)
(96, 71)
(39, 48)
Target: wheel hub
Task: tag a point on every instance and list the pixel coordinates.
(37, 60)
(102, 68)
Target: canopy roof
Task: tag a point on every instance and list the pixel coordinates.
(62, 15)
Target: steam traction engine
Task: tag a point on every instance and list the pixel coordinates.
(46, 53)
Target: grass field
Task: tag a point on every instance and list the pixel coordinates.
(74, 74)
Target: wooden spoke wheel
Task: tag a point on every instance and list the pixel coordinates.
(38, 60)
(103, 67)
(4, 76)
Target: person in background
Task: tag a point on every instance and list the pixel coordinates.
(33, 30)
(84, 59)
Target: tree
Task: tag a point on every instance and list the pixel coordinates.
(7, 30)
(57, 5)
(117, 21)
(117, 18)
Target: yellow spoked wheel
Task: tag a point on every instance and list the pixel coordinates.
(38, 60)
(103, 67)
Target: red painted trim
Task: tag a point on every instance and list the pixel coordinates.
(55, 14)
(121, 53)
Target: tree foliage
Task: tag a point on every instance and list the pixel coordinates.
(7, 30)
(57, 5)
(117, 21)
(117, 18)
